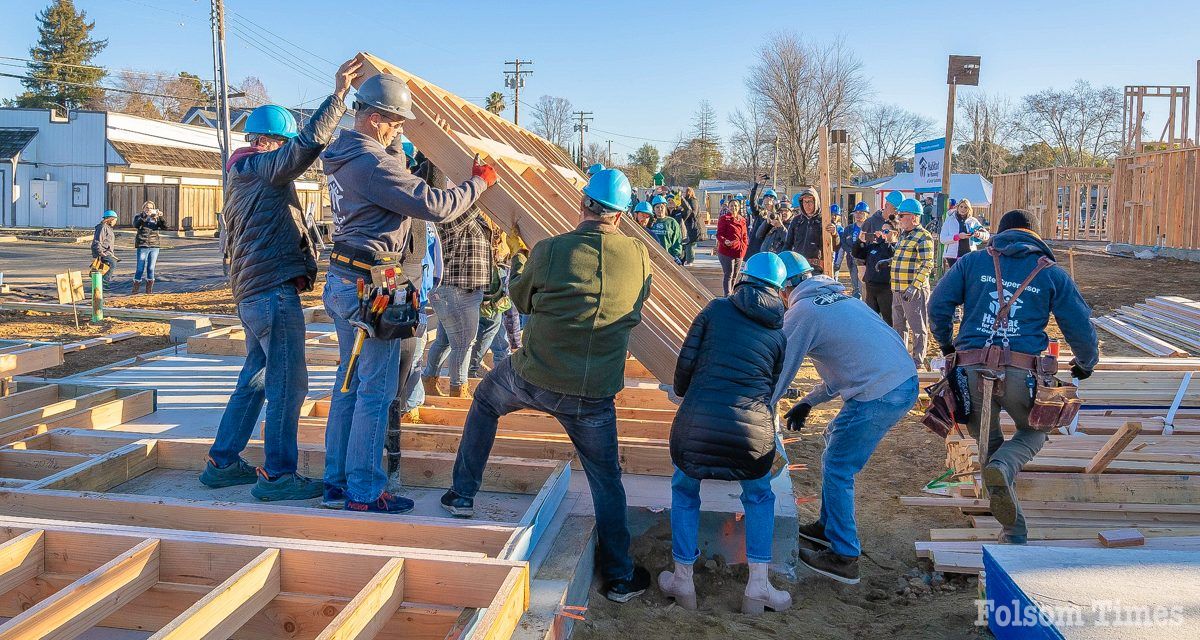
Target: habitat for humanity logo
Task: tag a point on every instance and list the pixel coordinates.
(1101, 613)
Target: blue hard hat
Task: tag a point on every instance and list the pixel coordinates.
(642, 207)
(895, 198)
(610, 188)
(796, 265)
(409, 149)
(594, 169)
(272, 120)
(953, 202)
(770, 193)
(909, 205)
(767, 268)
(861, 206)
(657, 200)
(740, 196)
(108, 214)
(834, 209)
(796, 201)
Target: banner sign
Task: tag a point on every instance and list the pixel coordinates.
(927, 166)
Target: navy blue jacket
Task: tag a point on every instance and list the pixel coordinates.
(971, 283)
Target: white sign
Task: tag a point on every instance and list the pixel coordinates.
(927, 166)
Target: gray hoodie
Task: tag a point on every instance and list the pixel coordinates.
(857, 356)
(373, 194)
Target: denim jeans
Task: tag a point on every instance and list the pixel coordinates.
(489, 332)
(458, 322)
(590, 423)
(274, 327)
(147, 257)
(855, 276)
(758, 501)
(411, 388)
(354, 433)
(731, 268)
(849, 442)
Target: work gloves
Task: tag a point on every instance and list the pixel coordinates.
(797, 416)
(1078, 372)
(484, 171)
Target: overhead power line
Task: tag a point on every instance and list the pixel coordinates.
(106, 70)
(96, 86)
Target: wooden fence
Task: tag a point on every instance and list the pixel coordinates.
(1157, 199)
(185, 207)
(1072, 203)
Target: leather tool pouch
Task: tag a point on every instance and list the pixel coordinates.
(1055, 404)
(400, 319)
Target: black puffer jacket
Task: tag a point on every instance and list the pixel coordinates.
(267, 243)
(727, 370)
(147, 230)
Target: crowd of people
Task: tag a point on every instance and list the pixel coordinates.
(558, 316)
(146, 244)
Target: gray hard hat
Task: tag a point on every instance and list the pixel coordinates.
(387, 93)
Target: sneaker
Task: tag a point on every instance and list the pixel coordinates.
(1000, 495)
(629, 588)
(333, 497)
(458, 506)
(844, 569)
(385, 503)
(1012, 538)
(815, 533)
(239, 472)
(289, 486)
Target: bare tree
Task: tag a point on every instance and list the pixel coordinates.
(134, 96)
(595, 153)
(885, 134)
(552, 119)
(985, 129)
(256, 94)
(803, 86)
(752, 139)
(186, 90)
(1082, 124)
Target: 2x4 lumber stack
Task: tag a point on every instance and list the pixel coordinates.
(539, 202)
(1139, 338)
(126, 313)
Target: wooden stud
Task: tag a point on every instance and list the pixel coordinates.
(1113, 448)
(372, 607)
(21, 559)
(220, 613)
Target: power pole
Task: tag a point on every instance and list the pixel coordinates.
(610, 153)
(581, 126)
(774, 166)
(515, 79)
(220, 77)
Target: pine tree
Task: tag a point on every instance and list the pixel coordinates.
(64, 38)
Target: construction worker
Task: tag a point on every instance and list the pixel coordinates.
(271, 260)
(643, 212)
(804, 231)
(886, 215)
(869, 368)
(666, 231)
(1015, 253)
(375, 200)
(583, 292)
(725, 428)
(104, 256)
(911, 266)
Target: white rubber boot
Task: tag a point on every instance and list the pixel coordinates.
(679, 585)
(760, 595)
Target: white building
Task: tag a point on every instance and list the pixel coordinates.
(60, 171)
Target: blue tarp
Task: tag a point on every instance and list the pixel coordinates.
(971, 186)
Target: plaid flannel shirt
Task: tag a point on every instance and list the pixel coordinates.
(466, 251)
(913, 261)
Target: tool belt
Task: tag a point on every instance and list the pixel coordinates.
(998, 357)
(100, 265)
(400, 314)
(361, 261)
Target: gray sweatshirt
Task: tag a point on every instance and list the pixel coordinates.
(857, 356)
(373, 194)
(103, 241)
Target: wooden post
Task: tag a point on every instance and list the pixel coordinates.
(1113, 448)
(1071, 260)
(823, 194)
(985, 422)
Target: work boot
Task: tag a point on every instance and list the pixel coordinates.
(137, 287)
(1002, 498)
(385, 503)
(462, 391)
(679, 584)
(333, 497)
(815, 533)
(844, 569)
(239, 472)
(628, 588)
(149, 287)
(458, 506)
(431, 386)
(412, 416)
(1007, 537)
(761, 595)
(287, 486)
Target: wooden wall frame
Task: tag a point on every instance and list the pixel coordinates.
(62, 578)
(320, 347)
(1071, 203)
(20, 358)
(1175, 130)
(36, 407)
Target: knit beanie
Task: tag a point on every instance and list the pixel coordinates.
(1018, 219)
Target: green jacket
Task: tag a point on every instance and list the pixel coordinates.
(668, 233)
(583, 292)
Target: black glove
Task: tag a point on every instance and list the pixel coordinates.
(797, 416)
(947, 349)
(1079, 372)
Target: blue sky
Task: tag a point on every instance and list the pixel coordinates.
(642, 67)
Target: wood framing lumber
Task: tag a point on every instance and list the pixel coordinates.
(1139, 338)
(92, 342)
(129, 405)
(104, 472)
(22, 558)
(220, 613)
(164, 315)
(1121, 538)
(34, 465)
(1113, 448)
(372, 607)
(27, 399)
(29, 359)
(85, 602)
(505, 610)
(40, 414)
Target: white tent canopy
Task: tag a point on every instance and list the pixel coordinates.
(971, 186)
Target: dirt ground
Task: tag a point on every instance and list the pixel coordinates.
(216, 301)
(60, 327)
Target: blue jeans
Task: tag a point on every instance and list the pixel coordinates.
(849, 442)
(489, 333)
(590, 423)
(458, 322)
(758, 501)
(354, 433)
(274, 327)
(855, 281)
(147, 257)
(412, 389)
